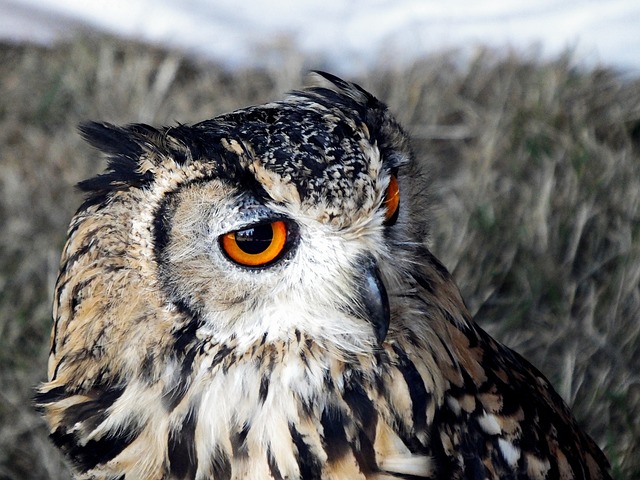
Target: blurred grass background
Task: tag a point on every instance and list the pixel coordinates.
(535, 184)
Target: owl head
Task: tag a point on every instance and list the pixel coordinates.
(297, 217)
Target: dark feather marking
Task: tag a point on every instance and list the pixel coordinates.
(420, 397)
(381, 358)
(307, 407)
(269, 362)
(62, 360)
(92, 412)
(220, 465)
(303, 357)
(264, 388)
(185, 335)
(71, 259)
(183, 457)
(425, 282)
(56, 321)
(473, 447)
(310, 468)
(41, 399)
(452, 356)
(334, 438)
(147, 366)
(175, 390)
(365, 453)
(162, 226)
(365, 416)
(94, 452)
(77, 290)
(357, 399)
(444, 423)
(407, 434)
(238, 443)
(329, 384)
(273, 467)
(220, 355)
(431, 259)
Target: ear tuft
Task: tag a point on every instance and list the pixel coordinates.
(124, 147)
(319, 80)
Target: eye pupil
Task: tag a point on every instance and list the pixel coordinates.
(256, 239)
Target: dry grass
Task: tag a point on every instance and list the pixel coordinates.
(536, 182)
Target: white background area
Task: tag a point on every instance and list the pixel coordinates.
(346, 35)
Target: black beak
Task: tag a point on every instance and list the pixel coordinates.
(373, 302)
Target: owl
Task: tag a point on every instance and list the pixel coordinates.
(253, 297)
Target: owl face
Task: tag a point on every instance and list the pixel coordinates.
(259, 220)
(253, 267)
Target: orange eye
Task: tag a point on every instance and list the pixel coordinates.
(392, 201)
(257, 245)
